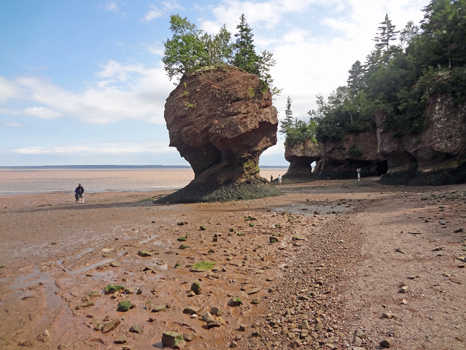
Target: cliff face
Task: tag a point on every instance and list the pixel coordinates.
(341, 158)
(435, 157)
(300, 156)
(221, 120)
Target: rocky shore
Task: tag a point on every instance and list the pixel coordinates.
(329, 265)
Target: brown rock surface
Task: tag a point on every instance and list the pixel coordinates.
(221, 119)
(355, 150)
(437, 156)
(300, 156)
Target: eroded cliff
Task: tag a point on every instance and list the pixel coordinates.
(437, 156)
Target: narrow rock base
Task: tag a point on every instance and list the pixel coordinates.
(195, 193)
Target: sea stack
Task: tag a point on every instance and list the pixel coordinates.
(221, 119)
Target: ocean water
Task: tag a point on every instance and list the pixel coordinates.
(40, 180)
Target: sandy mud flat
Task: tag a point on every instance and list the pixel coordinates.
(328, 265)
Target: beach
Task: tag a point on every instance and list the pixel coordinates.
(306, 269)
(43, 180)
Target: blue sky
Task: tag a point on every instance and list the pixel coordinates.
(81, 82)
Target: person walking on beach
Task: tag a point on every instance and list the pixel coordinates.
(271, 178)
(358, 171)
(279, 178)
(79, 194)
(328, 176)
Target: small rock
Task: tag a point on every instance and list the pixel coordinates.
(386, 343)
(173, 340)
(124, 305)
(144, 253)
(158, 308)
(110, 326)
(233, 344)
(189, 336)
(137, 329)
(235, 301)
(388, 315)
(121, 339)
(196, 287)
(191, 310)
(403, 289)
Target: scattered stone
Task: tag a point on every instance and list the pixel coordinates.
(399, 250)
(181, 223)
(273, 239)
(189, 336)
(144, 253)
(121, 339)
(254, 291)
(191, 310)
(458, 230)
(196, 287)
(386, 343)
(158, 308)
(124, 305)
(173, 340)
(183, 246)
(255, 301)
(110, 326)
(234, 301)
(81, 306)
(137, 329)
(203, 228)
(388, 315)
(115, 264)
(233, 344)
(269, 279)
(403, 289)
(112, 288)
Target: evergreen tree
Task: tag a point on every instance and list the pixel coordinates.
(386, 34)
(356, 77)
(245, 54)
(288, 122)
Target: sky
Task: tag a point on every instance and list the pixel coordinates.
(82, 82)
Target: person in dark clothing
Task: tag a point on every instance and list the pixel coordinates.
(79, 194)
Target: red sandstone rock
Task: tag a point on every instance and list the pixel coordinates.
(221, 119)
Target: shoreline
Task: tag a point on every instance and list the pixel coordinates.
(334, 265)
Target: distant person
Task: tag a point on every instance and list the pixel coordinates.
(358, 171)
(279, 179)
(271, 178)
(79, 194)
(328, 176)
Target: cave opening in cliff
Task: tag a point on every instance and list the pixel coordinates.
(382, 167)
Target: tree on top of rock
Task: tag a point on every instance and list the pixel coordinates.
(245, 52)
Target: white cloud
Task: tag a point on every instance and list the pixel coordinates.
(110, 148)
(41, 112)
(9, 111)
(156, 12)
(112, 6)
(153, 13)
(125, 92)
(8, 90)
(13, 124)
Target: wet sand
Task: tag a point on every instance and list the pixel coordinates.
(334, 265)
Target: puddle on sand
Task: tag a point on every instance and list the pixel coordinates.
(84, 252)
(149, 239)
(90, 267)
(25, 281)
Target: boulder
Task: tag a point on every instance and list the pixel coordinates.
(300, 156)
(221, 119)
(173, 340)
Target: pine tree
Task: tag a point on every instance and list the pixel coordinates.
(245, 54)
(356, 77)
(288, 122)
(386, 34)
